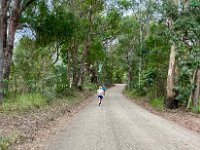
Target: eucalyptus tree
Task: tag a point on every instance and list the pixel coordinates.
(11, 11)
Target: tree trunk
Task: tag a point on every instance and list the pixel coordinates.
(192, 88)
(69, 67)
(129, 69)
(169, 100)
(75, 64)
(1, 68)
(3, 37)
(195, 99)
(85, 51)
(75, 60)
(81, 73)
(129, 76)
(13, 22)
(140, 59)
(170, 93)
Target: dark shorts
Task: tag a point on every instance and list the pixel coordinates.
(100, 96)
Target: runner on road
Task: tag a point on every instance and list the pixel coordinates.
(100, 94)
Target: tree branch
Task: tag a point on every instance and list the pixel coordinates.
(24, 6)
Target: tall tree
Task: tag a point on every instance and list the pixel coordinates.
(170, 93)
(10, 13)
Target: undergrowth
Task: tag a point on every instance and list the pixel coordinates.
(23, 102)
(131, 93)
(157, 103)
(195, 109)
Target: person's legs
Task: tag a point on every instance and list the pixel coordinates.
(100, 99)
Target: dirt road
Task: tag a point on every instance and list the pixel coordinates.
(119, 124)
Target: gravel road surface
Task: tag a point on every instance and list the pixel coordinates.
(119, 124)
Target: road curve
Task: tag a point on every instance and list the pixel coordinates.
(119, 124)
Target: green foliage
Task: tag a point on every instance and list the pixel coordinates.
(23, 102)
(133, 93)
(59, 79)
(194, 3)
(56, 27)
(29, 68)
(195, 109)
(157, 103)
(89, 86)
(169, 9)
(125, 4)
(97, 53)
(5, 142)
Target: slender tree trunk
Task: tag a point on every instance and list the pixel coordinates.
(75, 60)
(140, 59)
(192, 89)
(129, 76)
(82, 67)
(69, 67)
(169, 100)
(1, 68)
(129, 69)
(3, 37)
(195, 99)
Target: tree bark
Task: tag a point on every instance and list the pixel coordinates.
(8, 53)
(195, 99)
(1, 67)
(69, 67)
(129, 75)
(169, 100)
(82, 67)
(192, 89)
(3, 37)
(170, 93)
(129, 69)
(75, 60)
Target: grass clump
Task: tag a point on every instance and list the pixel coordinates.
(5, 142)
(157, 103)
(195, 109)
(23, 102)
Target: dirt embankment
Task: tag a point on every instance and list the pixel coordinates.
(27, 128)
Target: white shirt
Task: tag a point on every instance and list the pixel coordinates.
(100, 92)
